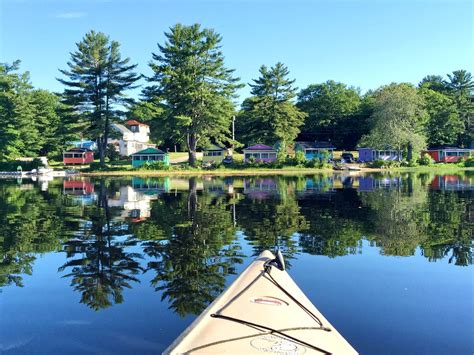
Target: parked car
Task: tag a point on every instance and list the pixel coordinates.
(228, 160)
(347, 157)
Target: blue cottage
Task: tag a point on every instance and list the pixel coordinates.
(315, 150)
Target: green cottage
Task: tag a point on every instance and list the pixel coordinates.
(150, 155)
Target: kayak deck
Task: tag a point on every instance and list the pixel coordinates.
(262, 311)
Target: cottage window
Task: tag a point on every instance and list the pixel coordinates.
(247, 156)
(159, 158)
(451, 154)
(256, 155)
(77, 155)
(272, 155)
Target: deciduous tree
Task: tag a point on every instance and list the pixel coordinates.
(398, 120)
(333, 113)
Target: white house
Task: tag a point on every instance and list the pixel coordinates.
(135, 137)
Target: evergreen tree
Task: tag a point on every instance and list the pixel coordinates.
(461, 87)
(193, 86)
(433, 82)
(444, 125)
(47, 121)
(270, 114)
(95, 85)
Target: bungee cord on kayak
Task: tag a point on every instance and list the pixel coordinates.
(267, 269)
(271, 330)
(279, 318)
(280, 264)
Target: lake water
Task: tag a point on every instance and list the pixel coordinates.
(123, 265)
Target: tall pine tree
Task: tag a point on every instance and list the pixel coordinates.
(270, 114)
(95, 85)
(461, 88)
(193, 86)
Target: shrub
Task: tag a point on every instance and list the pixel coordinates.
(156, 165)
(96, 166)
(300, 158)
(426, 160)
(469, 162)
(317, 164)
(382, 164)
(112, 153)
(377, 164)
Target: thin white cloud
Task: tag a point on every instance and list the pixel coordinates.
(70, 15)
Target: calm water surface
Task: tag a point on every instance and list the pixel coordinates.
(124, 265)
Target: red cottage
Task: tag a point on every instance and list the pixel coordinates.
(78, 156)
(449, 154)
(78, 187)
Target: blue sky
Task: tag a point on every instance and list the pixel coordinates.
(361, 43)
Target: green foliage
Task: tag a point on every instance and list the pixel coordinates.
(397, 120)
(426, 160)
(300, 157)
(30, 120)
(433, 82)
(385, 164)
(469, 162)
(25, 165)
(156, 165)
(461, 88)
(334, 113)
(96, 83)
(97, 166)
(444, 125)
(111, 153)
(193, 86)
(269, 115)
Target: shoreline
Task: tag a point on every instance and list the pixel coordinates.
(257, 172)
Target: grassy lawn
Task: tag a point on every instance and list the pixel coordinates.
(178, 155)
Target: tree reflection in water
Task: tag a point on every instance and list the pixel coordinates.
(100, 266)
(191, 239)
(188, 240)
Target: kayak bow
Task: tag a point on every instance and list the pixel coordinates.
(262, 311)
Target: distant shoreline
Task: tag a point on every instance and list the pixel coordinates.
(257, 172)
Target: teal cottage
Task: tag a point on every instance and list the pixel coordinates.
(315, 150)
(150, 155)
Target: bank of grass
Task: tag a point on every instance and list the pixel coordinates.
(185, 170)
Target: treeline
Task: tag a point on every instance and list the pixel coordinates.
(190, 101)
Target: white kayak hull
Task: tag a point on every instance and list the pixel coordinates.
(262, 311)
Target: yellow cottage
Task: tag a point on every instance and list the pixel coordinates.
(214, 154)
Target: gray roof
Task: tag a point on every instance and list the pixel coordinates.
(316, 145)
